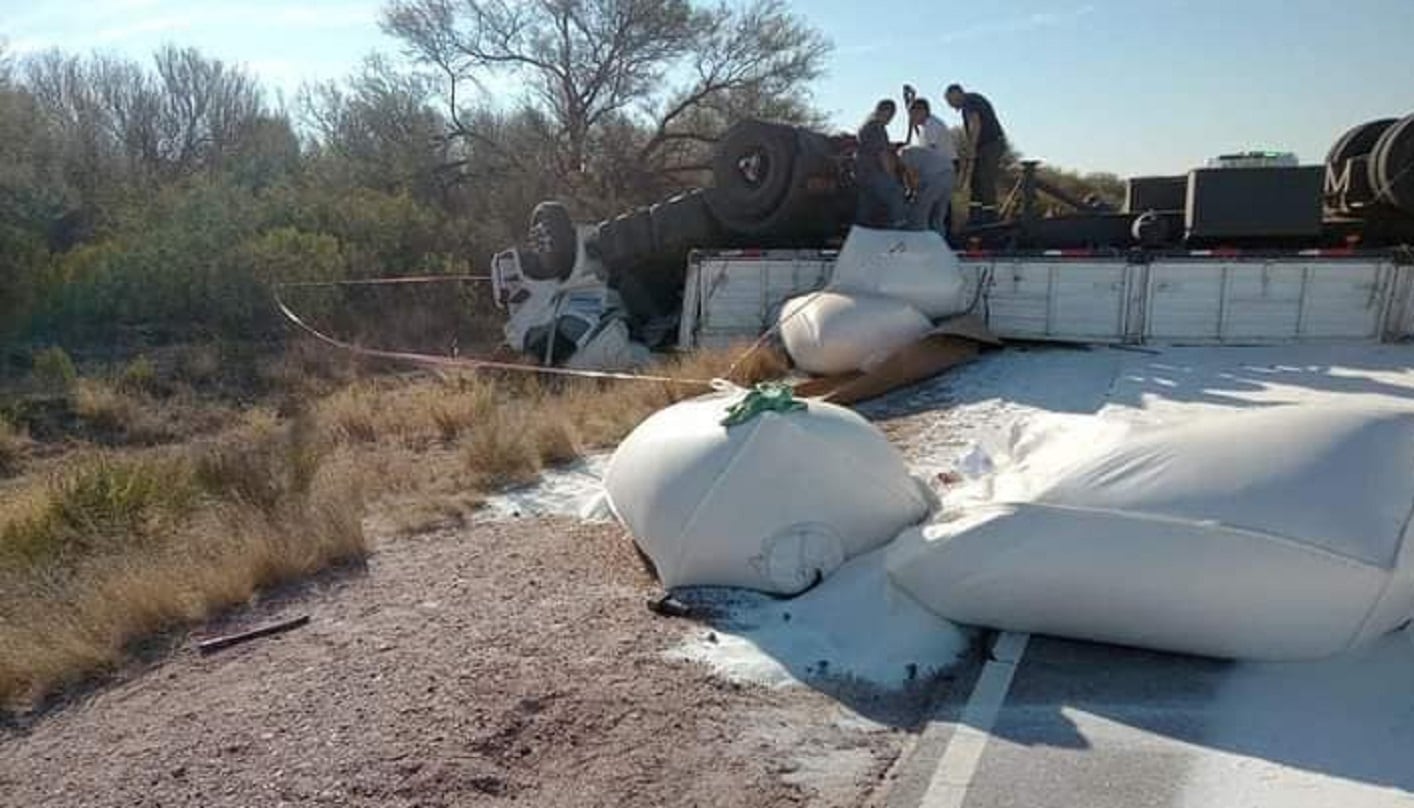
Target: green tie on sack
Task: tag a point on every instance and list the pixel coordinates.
(764, 397)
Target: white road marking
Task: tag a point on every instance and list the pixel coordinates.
(948, 786)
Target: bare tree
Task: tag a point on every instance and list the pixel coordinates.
(205, 105)
(382, 124)
(65, 99)
(117, 118)
(677, 70)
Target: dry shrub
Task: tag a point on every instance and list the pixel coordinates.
(355, 414)
(265, 464)
(119, 415)
(503, 450)
(557, 439)
(459, 405)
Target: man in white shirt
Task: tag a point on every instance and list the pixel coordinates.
(932, 132)
(934, 165)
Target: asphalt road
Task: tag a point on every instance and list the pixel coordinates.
(1095, 726)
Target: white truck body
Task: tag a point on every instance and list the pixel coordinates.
(1198, 297)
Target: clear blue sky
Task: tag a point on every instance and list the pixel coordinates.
(1131, 86)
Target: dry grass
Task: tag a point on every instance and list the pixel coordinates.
(416, 413)
(13, 443)
(434, 445)
(198, 364)
(121, 414)
(110, 547)
(113, 549)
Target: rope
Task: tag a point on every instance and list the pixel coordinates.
(434, 360)
(384, 281)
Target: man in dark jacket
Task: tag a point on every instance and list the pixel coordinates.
(982, 151)
(881, 199)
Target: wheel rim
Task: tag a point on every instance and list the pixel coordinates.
(1392, 166)
(753, 167)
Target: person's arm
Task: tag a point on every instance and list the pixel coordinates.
(974, 131)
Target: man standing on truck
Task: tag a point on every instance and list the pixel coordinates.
(932, 132)
(932, 175)
(935, 168)
(881, 202)
(982, 151)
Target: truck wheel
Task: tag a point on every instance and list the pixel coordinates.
(552, 236)
(634, 237)
(1392, 166)
(1150, 230)
(751, 169)
(817, 203)
(1358, 141)
(682, 222)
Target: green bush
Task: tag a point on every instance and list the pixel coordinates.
(201, 260)
(139, 376)
(54, 372)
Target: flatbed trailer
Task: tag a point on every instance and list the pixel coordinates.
(1086, 296)
(1258, 253)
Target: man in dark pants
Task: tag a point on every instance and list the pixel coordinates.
(881, 201)
(982, 151)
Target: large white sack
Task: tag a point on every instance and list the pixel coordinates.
(828, 333)
(772, 504)
(917, 267)
(1277, 534)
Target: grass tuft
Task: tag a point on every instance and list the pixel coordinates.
(120, 416)
(53, 372)
(139, 377)
(13, 445)
(503, 450)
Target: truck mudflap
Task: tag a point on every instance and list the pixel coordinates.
(1200, 297)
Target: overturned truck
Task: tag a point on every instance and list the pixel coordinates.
(1248, 249)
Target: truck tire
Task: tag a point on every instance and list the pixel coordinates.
(1392, 166)
(1151, 229)
(817, 204)
(552, 237)
(1358, 141)
(621, 241)
(751, 170)
(634, 232)
(682, 223)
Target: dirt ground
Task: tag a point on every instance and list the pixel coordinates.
(486, 664)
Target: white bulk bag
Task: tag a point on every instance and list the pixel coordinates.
(1277, 534)
(828, 333)
(917, 267)
(771, 504)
